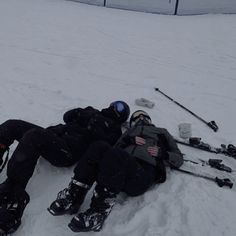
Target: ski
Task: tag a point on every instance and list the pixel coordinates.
(196, 142)
(220, 182)
(213, 163)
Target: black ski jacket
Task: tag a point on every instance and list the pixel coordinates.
(86, 125)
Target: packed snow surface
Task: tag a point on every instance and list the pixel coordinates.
(56, 55)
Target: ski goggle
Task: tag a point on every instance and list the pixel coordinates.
(139, 115)
(118, 106)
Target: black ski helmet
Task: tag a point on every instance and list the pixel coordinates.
(121, 110)
(137, 115)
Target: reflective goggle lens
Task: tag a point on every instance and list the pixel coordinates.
(139, 115)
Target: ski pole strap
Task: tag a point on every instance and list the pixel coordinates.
(5, 161)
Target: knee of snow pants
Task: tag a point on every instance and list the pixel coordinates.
(87, 167)
(34, 143)
(115, 168)
(12, 130)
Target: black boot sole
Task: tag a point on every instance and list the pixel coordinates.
(77, 230)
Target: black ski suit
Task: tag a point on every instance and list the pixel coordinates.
(129, 167)
(62, 145)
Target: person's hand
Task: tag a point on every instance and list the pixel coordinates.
(139, 140)
(153, 151)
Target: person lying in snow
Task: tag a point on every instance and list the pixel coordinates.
(62, 145)
(136, 162)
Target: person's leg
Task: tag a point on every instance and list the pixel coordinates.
(87, 168)
(12, 211)
(85, 173)
(35, 143)
(112, 171)
(141, 181)
(119, 171)
(10, 131)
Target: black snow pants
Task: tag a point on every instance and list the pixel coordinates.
(34, 141)
(114, 169)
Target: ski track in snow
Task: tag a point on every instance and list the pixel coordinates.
(57, 55)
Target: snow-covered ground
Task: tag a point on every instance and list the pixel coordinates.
(56, 55)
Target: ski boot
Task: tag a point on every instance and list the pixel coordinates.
(70, 199)
(93, 219)
(11, 209)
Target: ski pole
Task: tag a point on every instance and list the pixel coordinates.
(212, 124)
(220, 182)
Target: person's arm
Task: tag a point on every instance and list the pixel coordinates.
(172, 155)
(72, 115)
(80, 115)
(125, 140)
(161, 171)
(102, 128)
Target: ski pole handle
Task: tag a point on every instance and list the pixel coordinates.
(212, 124)
(224, 182)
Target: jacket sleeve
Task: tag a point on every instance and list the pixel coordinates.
(174, 156)
(72, 115)
(111, 136)
(102, 128)
(161, 171)
(125, 140)
(79, 115)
